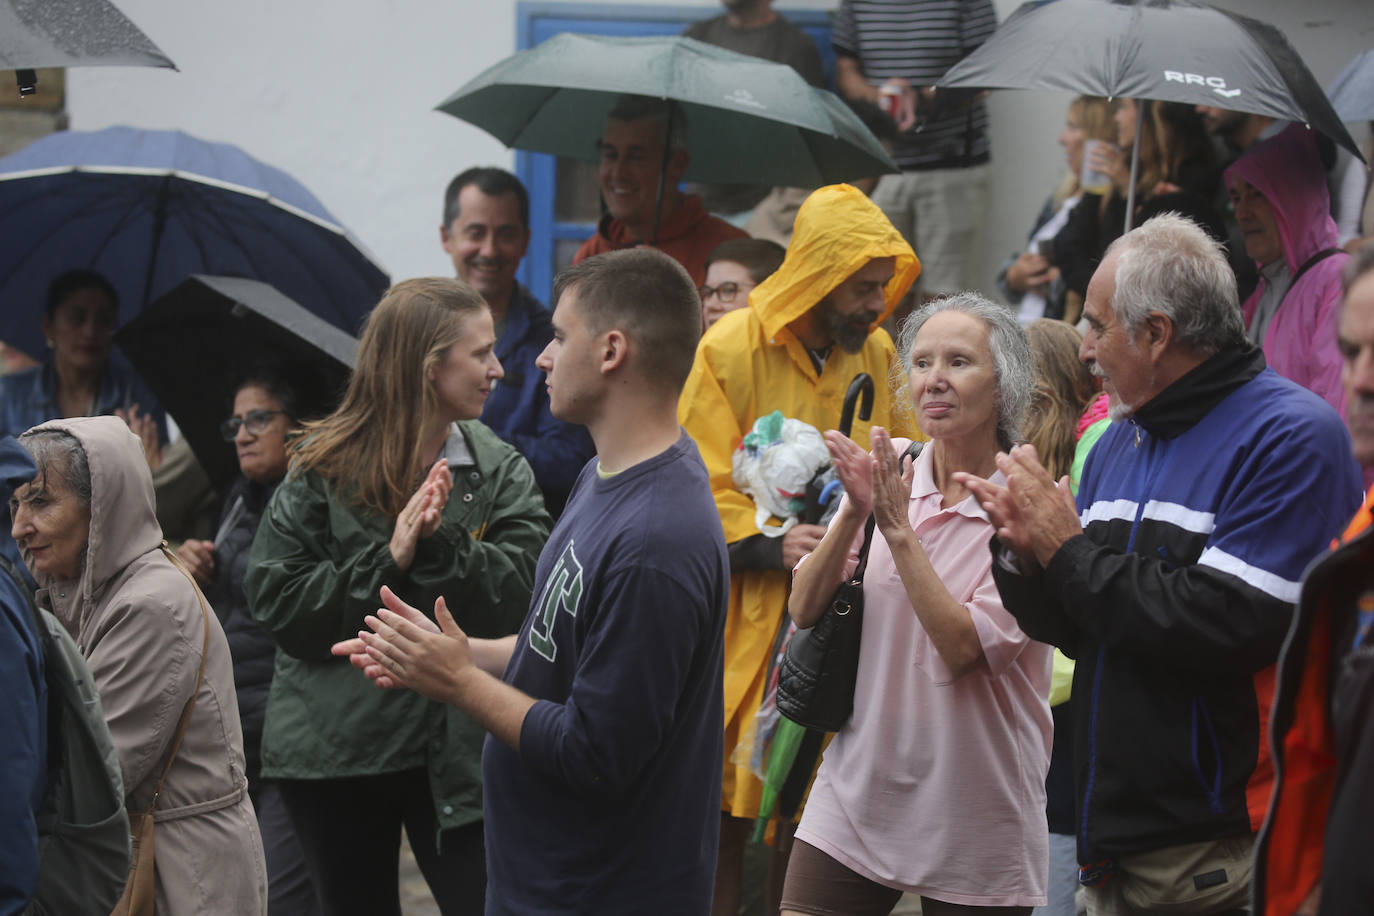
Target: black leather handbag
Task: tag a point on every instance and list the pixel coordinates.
(818, 671)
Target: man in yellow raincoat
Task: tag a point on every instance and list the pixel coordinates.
(809, 329)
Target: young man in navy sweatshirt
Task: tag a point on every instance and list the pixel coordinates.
(601, 770)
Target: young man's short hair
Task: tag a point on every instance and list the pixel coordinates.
(648, 296)
(760, 257)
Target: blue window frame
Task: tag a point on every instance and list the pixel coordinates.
(564, 198)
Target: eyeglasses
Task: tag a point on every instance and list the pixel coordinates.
(726, 292)
(255, 421)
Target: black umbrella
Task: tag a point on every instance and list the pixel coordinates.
(193, 344)
(1168, 50)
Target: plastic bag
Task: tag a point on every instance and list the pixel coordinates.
(773, 464)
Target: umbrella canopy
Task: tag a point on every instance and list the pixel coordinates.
(1168, 50)
(149, 208)
(72, 33)
(193, 345)
(748, 120)
(1352, 94)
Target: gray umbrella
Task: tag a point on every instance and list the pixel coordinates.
(748, 119)
(1168, 50)
(71, 33)
(1352, 93)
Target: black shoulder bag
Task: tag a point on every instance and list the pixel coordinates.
(818, 672)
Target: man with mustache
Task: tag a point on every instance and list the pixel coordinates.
(1311, 857)
(1172, 583)
(486, 231)
(809, 328)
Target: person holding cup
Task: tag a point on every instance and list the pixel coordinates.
(1176, 166)
(1030, 281)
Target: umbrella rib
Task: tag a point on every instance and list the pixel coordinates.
(304, 264)
(41, 241)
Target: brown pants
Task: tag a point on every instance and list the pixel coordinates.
(819, 886)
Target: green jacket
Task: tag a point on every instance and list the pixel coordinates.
(315, 570)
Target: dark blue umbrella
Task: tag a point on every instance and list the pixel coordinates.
(149, 208)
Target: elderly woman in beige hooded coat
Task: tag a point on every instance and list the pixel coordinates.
(86, 528)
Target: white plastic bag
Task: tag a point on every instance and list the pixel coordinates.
(773, 464)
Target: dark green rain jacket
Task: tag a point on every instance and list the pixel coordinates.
(315, 570)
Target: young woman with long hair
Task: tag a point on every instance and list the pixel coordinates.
(1030, 281)
(400, 486)
(1176, 172)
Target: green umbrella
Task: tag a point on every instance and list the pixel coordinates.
(748, 120)
(782, 755)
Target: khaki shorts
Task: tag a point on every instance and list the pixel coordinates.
(1195, 878)
(941, 213)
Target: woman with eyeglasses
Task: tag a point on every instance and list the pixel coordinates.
(265, 412)
(733, 269)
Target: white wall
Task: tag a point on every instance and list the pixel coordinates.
(340, 94)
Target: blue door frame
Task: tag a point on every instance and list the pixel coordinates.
(536, 22)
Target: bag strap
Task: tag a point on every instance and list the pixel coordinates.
(863, 551)
(913, 451)
(185, 719)
(1313, 261)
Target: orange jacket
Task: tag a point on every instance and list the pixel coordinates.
(688, 235)
(1290, 850)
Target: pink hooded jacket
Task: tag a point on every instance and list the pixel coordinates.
(1300, 342)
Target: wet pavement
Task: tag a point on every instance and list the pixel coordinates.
(417, 901)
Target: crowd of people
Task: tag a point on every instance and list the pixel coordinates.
(511, 595)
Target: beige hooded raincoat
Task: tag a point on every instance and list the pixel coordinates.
(139, 624)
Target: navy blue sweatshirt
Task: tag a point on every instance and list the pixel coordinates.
(612, 803)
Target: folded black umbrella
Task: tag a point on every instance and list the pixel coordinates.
(194, 344)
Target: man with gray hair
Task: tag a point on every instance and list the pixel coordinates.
(639, 175)
(1173, 581)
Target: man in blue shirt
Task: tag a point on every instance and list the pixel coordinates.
(601, 776)
(486, 231)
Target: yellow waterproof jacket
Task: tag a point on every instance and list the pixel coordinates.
(749, 364)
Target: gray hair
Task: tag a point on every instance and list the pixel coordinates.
(1360, 263)
(60, 453)
(641, 107)
(1011, 357)
(1170, 265)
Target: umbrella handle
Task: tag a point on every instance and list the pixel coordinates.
(862, 384)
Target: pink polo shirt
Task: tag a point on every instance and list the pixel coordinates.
(937, 786)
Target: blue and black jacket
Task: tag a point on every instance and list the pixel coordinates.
(1199, 514)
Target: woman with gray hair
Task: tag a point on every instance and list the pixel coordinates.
(936, 785)
(85, 527)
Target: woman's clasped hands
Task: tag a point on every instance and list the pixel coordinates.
(877, 482)
(421, 516)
